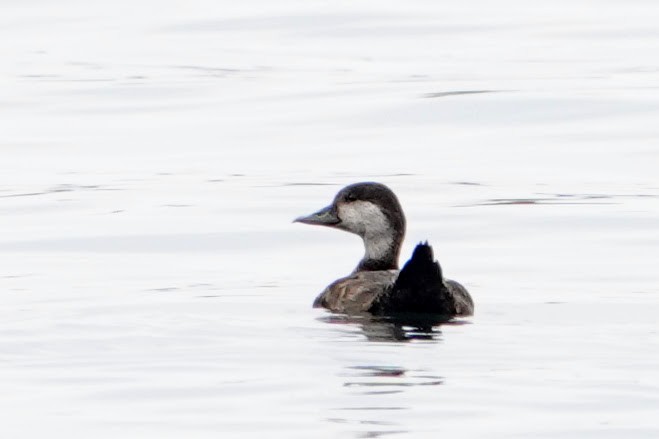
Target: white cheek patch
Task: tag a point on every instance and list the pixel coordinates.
(363, 218)
(367, 220)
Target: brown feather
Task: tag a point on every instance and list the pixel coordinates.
(354, 294)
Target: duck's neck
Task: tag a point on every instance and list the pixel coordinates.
(381, 252)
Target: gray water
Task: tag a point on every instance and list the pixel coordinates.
(154, 155)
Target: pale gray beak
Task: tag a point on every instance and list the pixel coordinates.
(324, 217)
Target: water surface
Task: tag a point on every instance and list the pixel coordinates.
(154, 157)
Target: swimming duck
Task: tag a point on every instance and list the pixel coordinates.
(373, 212)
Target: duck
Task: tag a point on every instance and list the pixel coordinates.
(377, 286)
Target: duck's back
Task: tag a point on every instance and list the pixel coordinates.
(419, 288)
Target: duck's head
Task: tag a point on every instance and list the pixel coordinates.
(372, 211)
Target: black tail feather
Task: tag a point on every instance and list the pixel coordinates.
(419, 287)
(421, 272)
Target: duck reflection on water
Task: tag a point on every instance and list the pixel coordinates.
(400, 328)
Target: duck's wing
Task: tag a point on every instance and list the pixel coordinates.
(421, 289)
(355, 294)
(464, 304)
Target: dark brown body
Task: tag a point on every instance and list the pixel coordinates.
(357, 293)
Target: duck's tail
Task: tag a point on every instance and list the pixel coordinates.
(419, 287)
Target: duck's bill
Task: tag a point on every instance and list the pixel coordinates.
(324, 217)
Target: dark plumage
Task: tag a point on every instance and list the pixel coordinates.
(421, 288)
(376, 286)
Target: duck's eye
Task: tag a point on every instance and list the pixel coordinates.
(350, 198)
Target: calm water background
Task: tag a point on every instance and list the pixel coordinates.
(154, 155)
